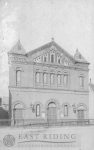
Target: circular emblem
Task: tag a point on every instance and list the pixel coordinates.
(9, 140)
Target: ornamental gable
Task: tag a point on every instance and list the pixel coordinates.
(51, 54)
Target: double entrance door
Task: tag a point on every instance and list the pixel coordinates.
(51, 113)
(81, 114)
(18, 116)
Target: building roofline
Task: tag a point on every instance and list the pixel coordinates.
(49, 44)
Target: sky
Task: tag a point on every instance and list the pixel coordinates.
(35, 22)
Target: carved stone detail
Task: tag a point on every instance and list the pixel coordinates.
(60, 58)
(16, 59)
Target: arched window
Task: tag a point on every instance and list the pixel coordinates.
(52, 58)
(45, 78)
(52, 78)
(18, 77)
(37, 77)
(58, 59)
(38, 110)
(81, 81)
(45, 59)
(65, 80)
(59, 79)
(65, 110)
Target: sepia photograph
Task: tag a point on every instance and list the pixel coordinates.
(46, 74)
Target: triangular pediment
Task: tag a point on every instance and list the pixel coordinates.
(51, 53)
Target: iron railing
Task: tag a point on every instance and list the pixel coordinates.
(45, 123)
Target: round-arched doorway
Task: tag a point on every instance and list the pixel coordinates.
(51, 112)
(18, 113)
(81, 111)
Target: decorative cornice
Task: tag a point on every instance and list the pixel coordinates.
(23, 60)
(49, 89)
(59, 66)
(13, 58)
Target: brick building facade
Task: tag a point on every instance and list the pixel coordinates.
(48, 83)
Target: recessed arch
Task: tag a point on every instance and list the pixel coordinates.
(52, 107)
(18, 103)
(82, 106)
(81, 111)
(51, 104)
(52, 101)
(18, 112)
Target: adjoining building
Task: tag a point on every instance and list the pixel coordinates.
(48, 84)
(5, 103)
(91, 100)
(4, 111)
